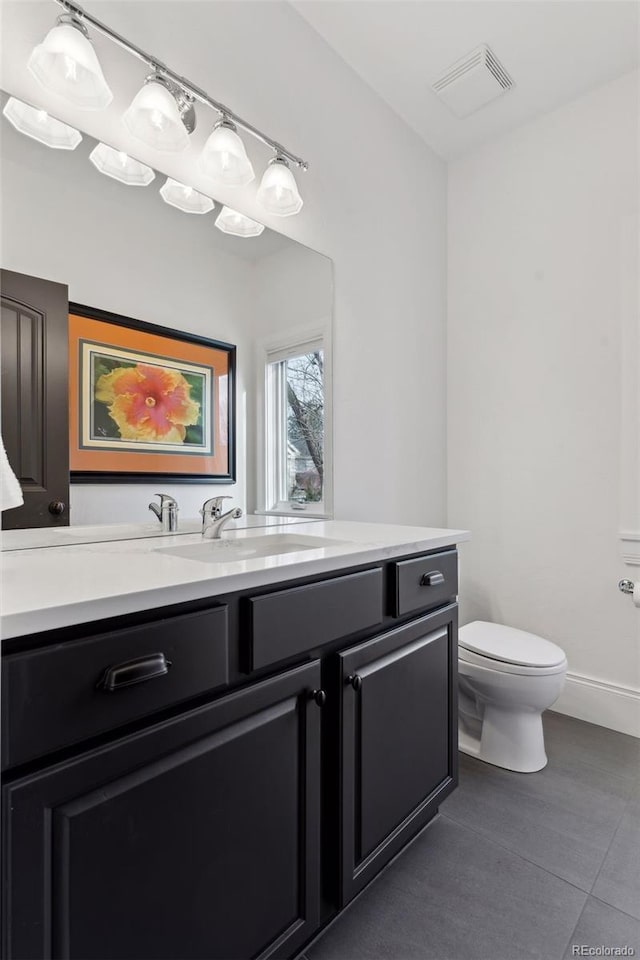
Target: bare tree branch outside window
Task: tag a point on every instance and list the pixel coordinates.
(305, 423)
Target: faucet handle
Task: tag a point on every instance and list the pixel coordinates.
(165, 498)
(213, 506)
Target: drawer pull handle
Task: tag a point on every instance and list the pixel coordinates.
(355, 681)
(134, 671)
(319, 696)
(432, 579)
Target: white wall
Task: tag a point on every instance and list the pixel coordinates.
(375, 201)
(537, 222)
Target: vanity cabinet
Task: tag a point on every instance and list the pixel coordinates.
(197, 838)
(279, 747)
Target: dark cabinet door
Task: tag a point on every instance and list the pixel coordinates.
(197, 838)
(399, 740)
(35, 401)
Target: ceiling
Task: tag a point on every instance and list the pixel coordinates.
(555, 51)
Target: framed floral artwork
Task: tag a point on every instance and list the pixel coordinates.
(148, 403)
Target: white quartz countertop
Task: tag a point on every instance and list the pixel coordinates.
(48, 587)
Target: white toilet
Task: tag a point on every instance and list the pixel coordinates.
(507, 678)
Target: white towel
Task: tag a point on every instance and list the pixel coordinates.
(10, 490)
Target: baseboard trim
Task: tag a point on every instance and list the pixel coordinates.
(606, 704)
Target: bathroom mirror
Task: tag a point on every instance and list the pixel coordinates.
(121, 248)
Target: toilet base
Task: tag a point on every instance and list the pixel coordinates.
(507, 739)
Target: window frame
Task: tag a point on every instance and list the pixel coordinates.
(272, 423)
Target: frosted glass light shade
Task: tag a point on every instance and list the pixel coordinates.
(185, 198)
(66, 63)
(224, 157)
(38, 125)
(120, 166)
(154, 118)
(278, 191)
(229, 221)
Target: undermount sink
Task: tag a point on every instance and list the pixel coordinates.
(227, 551)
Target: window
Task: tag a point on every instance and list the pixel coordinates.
(296, 448)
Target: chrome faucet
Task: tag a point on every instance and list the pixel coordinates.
(167, 512)
(214, 520)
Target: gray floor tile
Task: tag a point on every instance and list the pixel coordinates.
(618, 882)
(455, 896)
(602, 926)
(563, 818)
(385, 923)
(569, 740)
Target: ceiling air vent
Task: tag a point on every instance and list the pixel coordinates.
(472, 82)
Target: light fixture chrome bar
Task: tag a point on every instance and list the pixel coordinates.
(190, 88)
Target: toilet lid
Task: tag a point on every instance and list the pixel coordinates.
(509, 645)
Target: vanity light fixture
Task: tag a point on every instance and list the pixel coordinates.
(66, 63)
(185, 198)
(224, 157)
(278, 191)
(120, 166)
(38, 125)
(161, 115)
(230, 221)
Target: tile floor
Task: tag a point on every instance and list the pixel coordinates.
(516, 865)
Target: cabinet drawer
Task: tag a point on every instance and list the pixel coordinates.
(424, 582)
(68, 692)
(295, 621)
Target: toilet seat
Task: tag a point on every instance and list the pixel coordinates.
(501, 666)
(507, 650)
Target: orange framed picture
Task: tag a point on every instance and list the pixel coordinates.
(148, 403)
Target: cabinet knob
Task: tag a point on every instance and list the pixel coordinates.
(57, 507)
(319, 696)
(355, 681)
